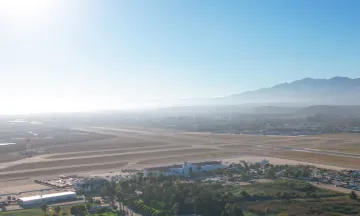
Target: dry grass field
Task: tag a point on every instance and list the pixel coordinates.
(13, 156)
(103, 159)
(98, 145)
(110, 151)
(319, 158)
(341, 142)
(59, 171)
(145, 147)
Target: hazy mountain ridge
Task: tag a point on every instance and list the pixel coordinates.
(304, 92)
(308, 91)
(337, 95)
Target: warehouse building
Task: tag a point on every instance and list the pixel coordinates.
(47, 198)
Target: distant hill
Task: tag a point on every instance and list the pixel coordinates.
(305, 92)
(334, 91)
(334, 96)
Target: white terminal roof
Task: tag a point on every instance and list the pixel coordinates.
(46, 196)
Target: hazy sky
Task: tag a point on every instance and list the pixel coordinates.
(58, 55)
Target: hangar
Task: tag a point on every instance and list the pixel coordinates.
(47, 198)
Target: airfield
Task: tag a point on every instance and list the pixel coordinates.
(128, 148)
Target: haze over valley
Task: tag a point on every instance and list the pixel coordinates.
(179, 108)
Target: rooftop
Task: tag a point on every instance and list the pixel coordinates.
(46, 196)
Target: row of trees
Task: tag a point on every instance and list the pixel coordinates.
(168, 195)
(77, 210)
(165, 192)
(139, 205)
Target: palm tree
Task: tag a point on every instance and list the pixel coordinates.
(190, 171)
(57, 210)
(194, 200)
(198, 168)
(108, 190)
(176, 208)
(230, 209)
(44, 208)
(266, 211)
(120, 199)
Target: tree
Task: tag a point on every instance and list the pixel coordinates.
(101, 211)
(266, 211)
(74, 210)
(245, 177)
(198, 168)
(190, 171)
(44, 208)
(230, 210)
(270, 173)
(119, 198)
(57, 210)
(108, 190)
(176, 208)
(233, 210)
(238, 211)
(353, 195)
(245, 195)
(89, 200)
(81, 208)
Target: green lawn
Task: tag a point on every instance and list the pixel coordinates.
(27, 212)
(39, 212)
(36, 212)
(271, 189)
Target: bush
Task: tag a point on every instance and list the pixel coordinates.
(353, 195)
(147, 209)
(295, 185)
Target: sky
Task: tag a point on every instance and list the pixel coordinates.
(65, 55)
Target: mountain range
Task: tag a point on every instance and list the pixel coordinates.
(305, 92)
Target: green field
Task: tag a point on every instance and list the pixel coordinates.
(50, 212)
(39, 212)
(331, 207)
(27, 212)
(36, 212)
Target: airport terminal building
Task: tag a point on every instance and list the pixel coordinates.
(47, 198)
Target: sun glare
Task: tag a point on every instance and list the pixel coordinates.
(26, 11)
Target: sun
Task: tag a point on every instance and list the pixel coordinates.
(25, 11)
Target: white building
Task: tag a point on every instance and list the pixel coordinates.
(47, 198)
(183, 169)
(195, 168)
